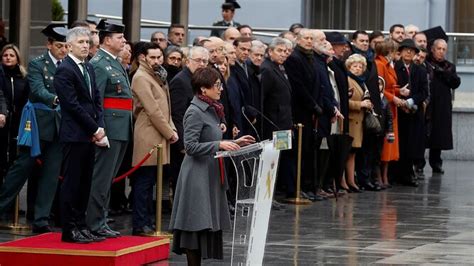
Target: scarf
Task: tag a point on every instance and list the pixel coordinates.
(161, 73)
(214, 104)
(360, 79)
(308, 53)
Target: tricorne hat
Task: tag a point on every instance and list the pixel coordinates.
(56, 31)
(105, 26)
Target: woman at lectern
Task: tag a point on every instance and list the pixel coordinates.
(200, 210)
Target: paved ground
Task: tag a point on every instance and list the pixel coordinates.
(431, 224)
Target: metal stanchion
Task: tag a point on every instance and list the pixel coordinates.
(16, 226)
(297, 200)
(159, 193)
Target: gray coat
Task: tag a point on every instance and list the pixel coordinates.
(200, 201)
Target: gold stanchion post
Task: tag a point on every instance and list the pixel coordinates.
(159, 193)
(16, 226)
(297, 200)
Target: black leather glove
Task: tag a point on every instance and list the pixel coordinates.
(317, 110)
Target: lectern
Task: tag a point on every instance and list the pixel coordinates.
(256, 170)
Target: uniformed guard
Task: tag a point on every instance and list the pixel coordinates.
(114, 86)
(46, 107)
(228, 12)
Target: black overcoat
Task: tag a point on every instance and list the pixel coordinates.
(411, 126)
(443, 79)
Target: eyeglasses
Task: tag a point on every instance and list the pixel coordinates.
(174, 58)
(220, 49)
(218, 85)
(200, 61)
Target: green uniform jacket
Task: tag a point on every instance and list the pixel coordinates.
(112, 82)
(218, 33)
(41, 72)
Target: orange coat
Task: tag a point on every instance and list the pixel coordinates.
(390, 151)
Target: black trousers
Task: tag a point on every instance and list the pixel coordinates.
(77, 167)
(435, 158)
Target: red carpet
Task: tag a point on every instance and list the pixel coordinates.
(48, 250)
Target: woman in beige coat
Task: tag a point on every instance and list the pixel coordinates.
(358, 103)
(153, 126)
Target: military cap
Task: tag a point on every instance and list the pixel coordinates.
(230, 4)
(56, 31)
(105, 26)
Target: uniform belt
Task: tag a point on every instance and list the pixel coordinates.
(118, 103)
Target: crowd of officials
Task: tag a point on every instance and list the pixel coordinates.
(93, 105)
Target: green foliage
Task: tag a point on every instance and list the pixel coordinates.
(57, 10)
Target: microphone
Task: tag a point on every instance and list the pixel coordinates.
(250, 123)
(255, 110)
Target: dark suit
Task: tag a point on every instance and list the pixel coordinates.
(240, 95)
(181, 94)
(82, 115)
(276, 99)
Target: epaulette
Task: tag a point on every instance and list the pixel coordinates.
(96, 58)
(38, 58)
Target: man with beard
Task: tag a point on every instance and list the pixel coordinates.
(114, 86)
(366, 159)
(397, 33)
(330, 106)
(420, 40)
(443, 79)
(153, 126)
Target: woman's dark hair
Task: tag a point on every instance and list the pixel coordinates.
(204, 77)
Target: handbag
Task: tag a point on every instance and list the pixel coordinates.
(372, 123)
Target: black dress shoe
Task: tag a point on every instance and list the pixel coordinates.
(371, 187)
(75, 236)
(354, 190)
(315, 197)
(117, 233)
(438, 170)
(42, 229)
(143, 231)
(104, 232)
(94, 238)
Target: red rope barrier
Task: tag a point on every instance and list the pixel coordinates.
(129, 172)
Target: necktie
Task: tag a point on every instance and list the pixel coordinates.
(58, 63)
(86, 77)
(282, 69)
